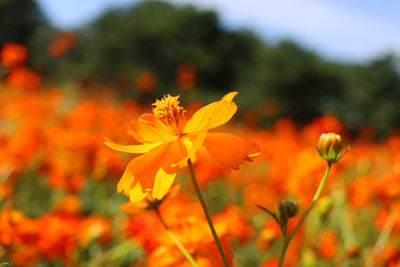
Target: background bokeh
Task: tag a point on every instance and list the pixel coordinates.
(65, 87)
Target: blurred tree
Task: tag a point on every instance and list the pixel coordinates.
(371, 94)
(299, 80)
(157, 37)
(19, 19)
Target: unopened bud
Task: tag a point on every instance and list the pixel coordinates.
(287, 210)
(330, 147)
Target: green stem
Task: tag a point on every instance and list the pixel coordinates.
(207, 213)
(286, 241)
(175, 239)
(383, 237)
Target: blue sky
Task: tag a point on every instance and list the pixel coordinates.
(345, 30)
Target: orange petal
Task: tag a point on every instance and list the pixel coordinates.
(143, 170)
(228, 150)
(143, 148)
(203, 153)
(176, 152)
(147, 129)
(152, 171)
(134, 207)
(216, 114)
(192, 144)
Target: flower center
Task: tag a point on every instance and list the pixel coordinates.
(169, 111)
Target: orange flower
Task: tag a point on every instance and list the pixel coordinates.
(24, 78)
(145, 82)
(13, 54)
(327, 244)
(94, 227)
(59, 46)
(168, 141)
(186, 75)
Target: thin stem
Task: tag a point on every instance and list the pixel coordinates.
(342, 219)
(286, 241)
(207, 213)
(383, 237)
(175, 239)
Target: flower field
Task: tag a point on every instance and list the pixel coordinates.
(59, 204)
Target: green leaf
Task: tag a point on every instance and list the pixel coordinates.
(319, 151)
(269, 212)
(331, 153)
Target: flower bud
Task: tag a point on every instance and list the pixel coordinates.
(287, 210)
(330, 147)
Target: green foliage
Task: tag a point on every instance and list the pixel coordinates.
(101, 198)
(19, 19)
(34, 203)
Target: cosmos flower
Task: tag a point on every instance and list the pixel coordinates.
(168, 140)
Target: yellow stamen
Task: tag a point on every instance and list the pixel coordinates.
(169, 111)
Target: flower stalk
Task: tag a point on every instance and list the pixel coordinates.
(207, 213)
(175, 239)
(286, 241)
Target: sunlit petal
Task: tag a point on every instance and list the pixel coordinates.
(216, 114)
(162, 183)
(142, 169)
(125, 183)
(136, 149)
(136, 194)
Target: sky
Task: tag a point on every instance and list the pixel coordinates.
(340, 30)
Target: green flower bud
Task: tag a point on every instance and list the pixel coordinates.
(287, 210)
(330, 147)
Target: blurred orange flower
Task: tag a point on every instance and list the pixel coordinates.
(168, 141)
(8, 220)
(186, 75)
(95, 227)
(145, 82)
(22, 77)
(327, 244)
(59, 46)
(13, 54)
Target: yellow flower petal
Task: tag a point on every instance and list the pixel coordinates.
(162, 184)
(229, 96)
(136, 193)
(137, 149)
(125, 183)
(216, 114)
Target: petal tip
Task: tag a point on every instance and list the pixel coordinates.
(229, 96)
